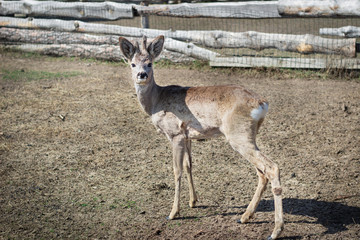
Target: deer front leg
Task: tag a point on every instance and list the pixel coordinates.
(188, 168)
(179, 149)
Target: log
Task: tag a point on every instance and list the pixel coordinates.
(74, 26)
(347, 31)
(316, 8)
(252, 9)
(111, 11)
(305, 44)
(306, 63)
(101, 52)
(80, 10)
(189, 49)
(53, 37)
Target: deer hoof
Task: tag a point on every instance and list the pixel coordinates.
(192, 204)
(172, 216)
(245, 217)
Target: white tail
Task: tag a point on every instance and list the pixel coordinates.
(185, 113)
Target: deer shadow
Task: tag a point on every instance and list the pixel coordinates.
(334, 216)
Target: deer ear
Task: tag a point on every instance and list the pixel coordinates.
(127, 48)
(156, 46)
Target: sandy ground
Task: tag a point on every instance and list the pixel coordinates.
(80, 160)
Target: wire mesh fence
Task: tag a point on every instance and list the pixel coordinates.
(243, 34)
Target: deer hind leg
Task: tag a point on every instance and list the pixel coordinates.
(243, 141)
(188, 168)
(272, 173)
(179, 150)
(256, 198)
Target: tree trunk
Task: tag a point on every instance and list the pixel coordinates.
(316, 8)
(80, 10)
(189, 49)
(348, 31)
(217, 10)
(52, 37)
(102, 52)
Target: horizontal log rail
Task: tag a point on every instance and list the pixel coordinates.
(316, 8)
(251, 9)
(305, 44)
(112, 11)
(105, 42)
(100, 52)
(78, 10)
(347, 31)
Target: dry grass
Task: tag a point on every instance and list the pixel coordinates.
(103, 172)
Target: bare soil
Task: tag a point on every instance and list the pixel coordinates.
(80, 160)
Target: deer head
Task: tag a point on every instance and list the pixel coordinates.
(141, 58)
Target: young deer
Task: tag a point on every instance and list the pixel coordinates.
(186, 113)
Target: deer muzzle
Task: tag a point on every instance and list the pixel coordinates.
(142, 78)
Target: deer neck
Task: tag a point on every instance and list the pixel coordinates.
(148, 95)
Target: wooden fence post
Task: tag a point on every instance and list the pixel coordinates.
(145, 17)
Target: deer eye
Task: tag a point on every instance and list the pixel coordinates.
(133, 65)
(150, 65)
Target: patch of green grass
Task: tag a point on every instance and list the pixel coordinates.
(129, 204)
(163, 63)
(198, 64)
(24, 75)
(19, 53)
(112, 207)
(31, 55)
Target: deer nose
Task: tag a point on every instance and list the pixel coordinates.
(142, 75)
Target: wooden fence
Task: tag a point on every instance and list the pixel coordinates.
(66, 36)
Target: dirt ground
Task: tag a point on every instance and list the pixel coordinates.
(80, 160)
